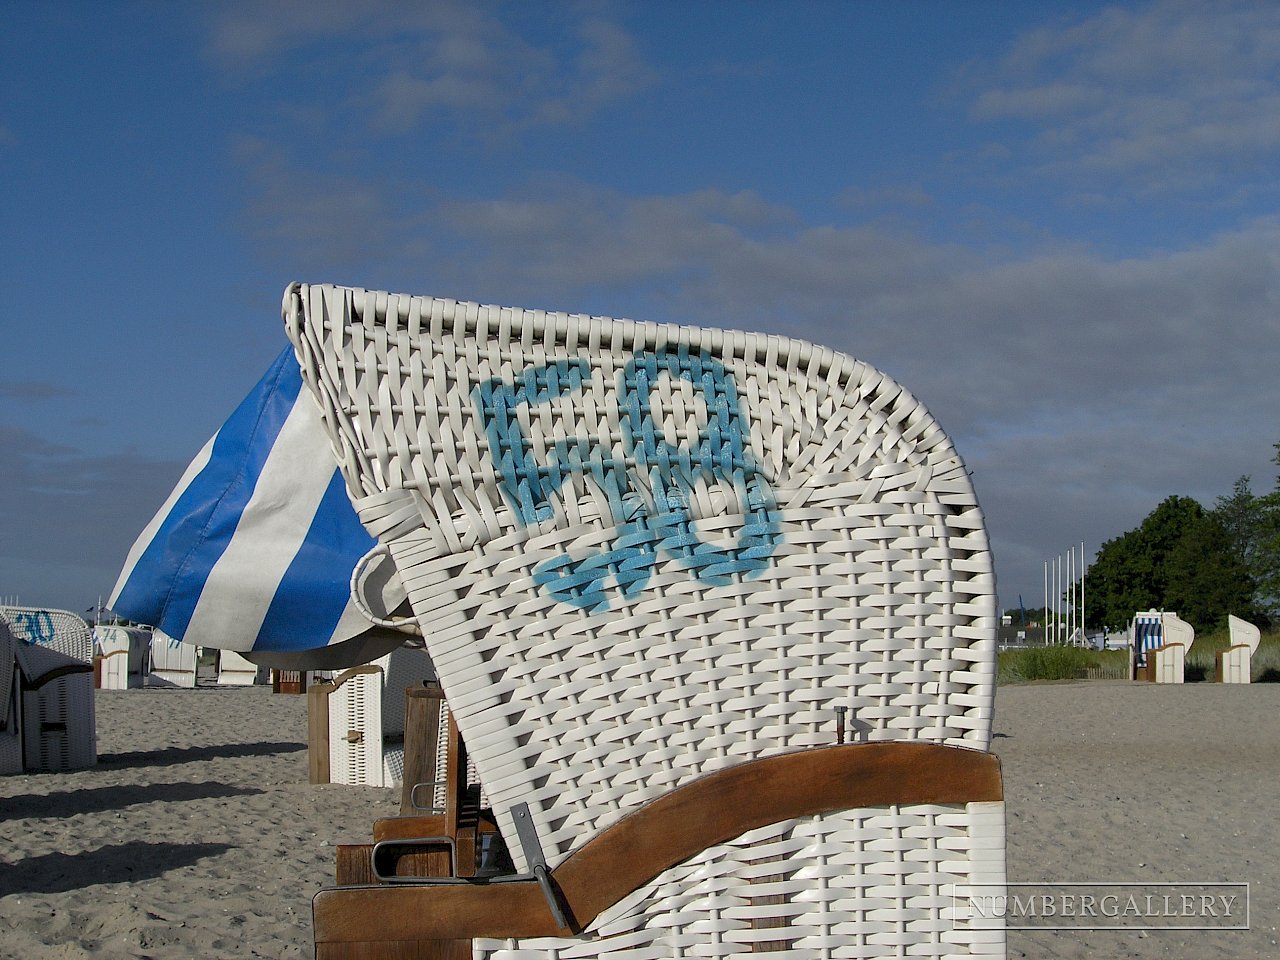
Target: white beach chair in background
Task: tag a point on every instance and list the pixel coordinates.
(235, 671)
(714, 613)
(1235, 664)
(366, 718)
(1160, 643)
(122, 656)
(173, 663)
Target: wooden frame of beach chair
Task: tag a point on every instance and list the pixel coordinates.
(1235, 664)
(714, 613)
(444, 828)
(10, 704)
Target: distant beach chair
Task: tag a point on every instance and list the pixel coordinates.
(715, 616)
(1235, 664)
(122, 656)
(365, 708)
(1160, 643)
(173, 663)
(235, 671)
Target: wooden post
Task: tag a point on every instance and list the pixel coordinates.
(421, 736)
(318, 732)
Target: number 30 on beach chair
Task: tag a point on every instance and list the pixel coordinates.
(713, 612)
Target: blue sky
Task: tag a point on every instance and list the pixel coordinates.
(1055, 223)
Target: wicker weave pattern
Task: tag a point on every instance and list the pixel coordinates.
(845, 885)
(59, 630)
(641, 552)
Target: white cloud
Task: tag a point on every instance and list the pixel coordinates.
(1169, 95)
(1172, 351)
(439, 60)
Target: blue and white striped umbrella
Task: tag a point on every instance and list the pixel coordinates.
(254, 549)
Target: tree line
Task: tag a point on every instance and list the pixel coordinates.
(1201, 563)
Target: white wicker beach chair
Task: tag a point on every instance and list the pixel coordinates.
(367, 715)
(122, 655)
(173, 663)
(714, 613)
(236, 671)
(1160, 643)
(1235, 664)
(58, 721)
(59, 630)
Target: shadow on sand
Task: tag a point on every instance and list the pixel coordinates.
(169, 756)
(121, 863)
(102, 799)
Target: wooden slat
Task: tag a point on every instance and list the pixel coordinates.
(663, 833)
(402, 950)
(354, 864)
(421, 735)
(318, 732)
(408, 828)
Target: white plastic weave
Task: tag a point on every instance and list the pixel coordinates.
(58, 720)
(235, 671)
(1237, 659)
(844, 885)
(355, 731)
(125, 653)
(173, 663)
(1170, 662)
(59, 630)
(639, 553)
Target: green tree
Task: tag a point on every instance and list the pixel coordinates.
(1180, 558)
(1252, 524)
(1206, 577)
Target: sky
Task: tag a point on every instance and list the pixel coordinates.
(1057, 224)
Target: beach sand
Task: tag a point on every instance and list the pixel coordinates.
(197, 835)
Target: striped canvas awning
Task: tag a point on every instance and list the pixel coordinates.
(255, 548)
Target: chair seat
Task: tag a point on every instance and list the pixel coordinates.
(752, 814)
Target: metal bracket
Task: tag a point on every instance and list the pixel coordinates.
(537, 861)
(410, 844)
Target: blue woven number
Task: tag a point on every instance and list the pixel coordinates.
(38, 626)
(645, 525)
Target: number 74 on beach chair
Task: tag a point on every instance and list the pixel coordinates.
(713, 612)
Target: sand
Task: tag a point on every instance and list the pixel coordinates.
(1112, 781)
(198, 835)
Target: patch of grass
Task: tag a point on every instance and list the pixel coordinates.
(1060, 663)
(1075, 663)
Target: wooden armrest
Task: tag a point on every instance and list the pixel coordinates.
(664, 832)
(408, 828)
